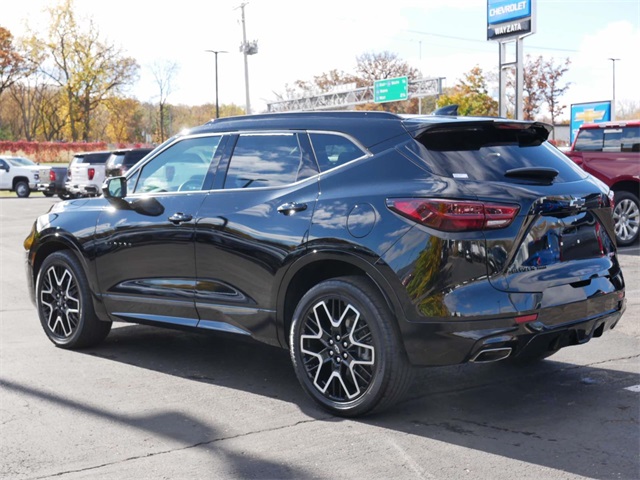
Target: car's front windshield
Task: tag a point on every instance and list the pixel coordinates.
(21, 162)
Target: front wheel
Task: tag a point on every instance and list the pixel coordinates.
(22, 189)
(64, 303)
(626, 216)
(345, 349)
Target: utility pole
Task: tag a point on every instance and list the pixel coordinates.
(613, 100)
(216, 52)
(247, 48)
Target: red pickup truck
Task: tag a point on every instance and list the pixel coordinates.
(610, 151)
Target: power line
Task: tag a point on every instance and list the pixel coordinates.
(474, 40)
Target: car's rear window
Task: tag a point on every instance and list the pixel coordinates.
(487, 154)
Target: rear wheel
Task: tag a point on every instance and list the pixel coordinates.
(47, 194)
(22, 189)
(626, 215)
(64, 303)
(345, 349)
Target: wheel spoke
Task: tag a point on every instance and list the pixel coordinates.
(337, 351)
(59, 301)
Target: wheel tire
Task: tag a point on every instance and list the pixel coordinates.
(626, 216)
(66, 196)
(346, 350)
(22, 189)
(64, 303)
(47, 194)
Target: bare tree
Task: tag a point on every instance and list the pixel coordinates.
(551, 86)
(164, 73)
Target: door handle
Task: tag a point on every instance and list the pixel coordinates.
(179, 217)
(291, 207)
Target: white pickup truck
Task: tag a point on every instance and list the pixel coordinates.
(19, 175)
(86, 173)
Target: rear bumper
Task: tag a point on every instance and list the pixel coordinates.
(77, 189)
(454, 342)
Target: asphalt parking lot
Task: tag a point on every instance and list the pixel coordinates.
(151, 403)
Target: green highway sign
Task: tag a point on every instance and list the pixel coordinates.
(391, 89)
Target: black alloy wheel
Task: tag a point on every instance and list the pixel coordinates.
(345, 349)
(64, 303)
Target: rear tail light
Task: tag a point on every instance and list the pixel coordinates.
(92, 172)
(526, 318)
(52, 176)
(454, 215)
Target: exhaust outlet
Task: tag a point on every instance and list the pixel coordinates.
(491, 355)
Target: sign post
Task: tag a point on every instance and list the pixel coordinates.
(510, 21)
(593, 112)
(391, 90)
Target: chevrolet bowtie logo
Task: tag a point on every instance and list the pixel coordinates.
(589, 115)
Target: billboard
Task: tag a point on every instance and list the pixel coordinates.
(510, 18)
(593, 112)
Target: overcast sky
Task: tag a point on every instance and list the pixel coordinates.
(299, 39)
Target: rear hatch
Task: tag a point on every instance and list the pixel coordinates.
(558, 249)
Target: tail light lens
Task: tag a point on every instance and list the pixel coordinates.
(92, 172)
(454, 215)
(52, 176)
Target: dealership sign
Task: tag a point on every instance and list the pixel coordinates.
(594, 112)
(509, 18)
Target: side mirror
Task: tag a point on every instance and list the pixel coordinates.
(4, 167)
(115, 187)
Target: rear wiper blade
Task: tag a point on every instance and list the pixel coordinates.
(533, 173)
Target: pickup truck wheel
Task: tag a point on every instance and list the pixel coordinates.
(66, 196)
(626, 215)
(22, 189)
(47, 194)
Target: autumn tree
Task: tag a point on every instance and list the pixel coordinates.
(541, 86)
(12, 63)
(471, 94)
(87, 68)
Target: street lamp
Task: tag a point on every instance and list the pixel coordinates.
(613, 101)
(216, 52)
(247, 48)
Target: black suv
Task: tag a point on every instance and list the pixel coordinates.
(364, 242)
(121, 161)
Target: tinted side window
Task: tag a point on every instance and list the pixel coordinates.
(630, 139)
(181, 167)
(333, 150)
(260, 160)
(131, 158)
(590, 140)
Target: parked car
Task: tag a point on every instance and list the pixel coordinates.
(121, 161)
(610, 151)
(18, 174)
(85, 173)
(52, 182)
(366, 243)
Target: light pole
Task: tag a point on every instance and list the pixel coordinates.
(247, 48)
(613, 100)
(216, 52)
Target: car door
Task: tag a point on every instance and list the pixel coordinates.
(250, 227)
(5, 176)
(145, 253)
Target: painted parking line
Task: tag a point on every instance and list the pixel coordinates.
(634, 388)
